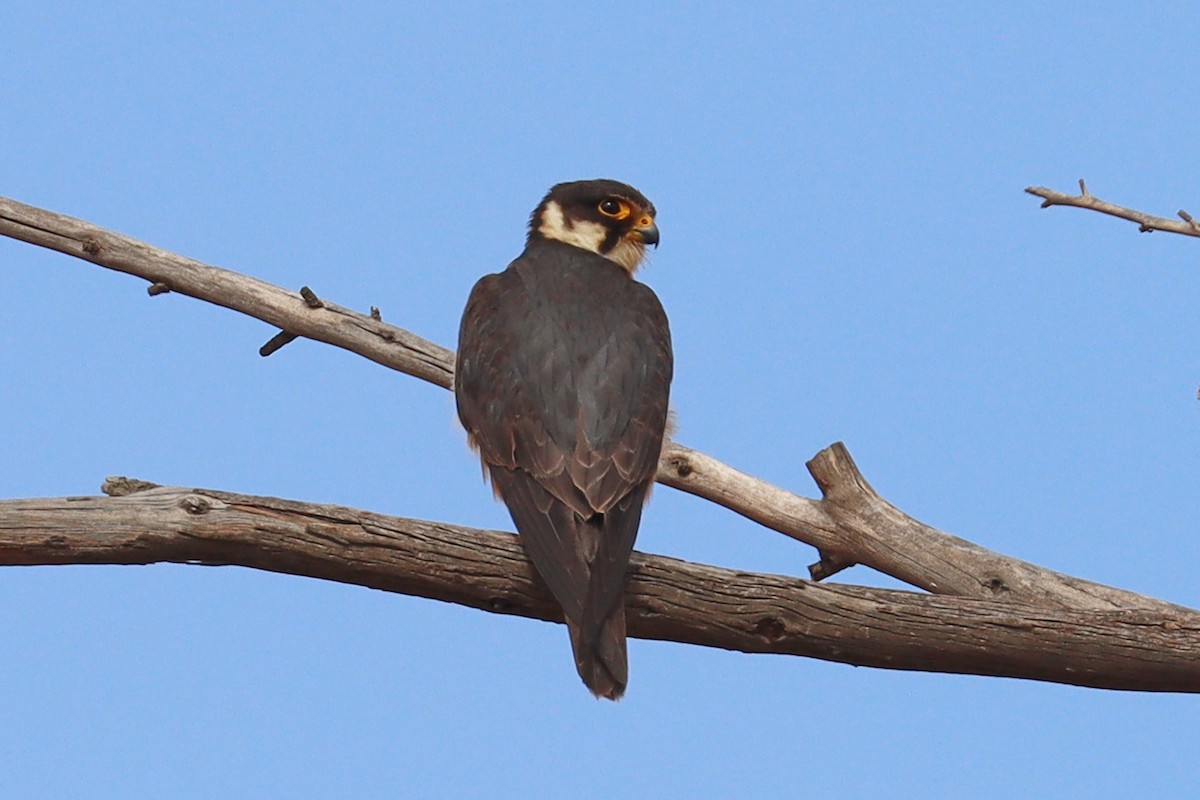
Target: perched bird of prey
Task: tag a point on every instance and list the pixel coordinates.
(562, 382)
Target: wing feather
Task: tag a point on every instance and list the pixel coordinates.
(562, 382)
(572, 390)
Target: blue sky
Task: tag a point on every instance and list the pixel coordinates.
(846, 254)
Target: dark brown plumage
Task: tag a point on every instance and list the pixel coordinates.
(562, 382)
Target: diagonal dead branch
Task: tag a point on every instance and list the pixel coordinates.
(852, 524)
(667, 599)
(937, 561)
(381, 343)
(1146, 222)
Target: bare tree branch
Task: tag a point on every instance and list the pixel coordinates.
(892, 543)
(666, 599)
(852, 524)
(1185, 225)
(1005, 616)
(856, 525)
(359, 333)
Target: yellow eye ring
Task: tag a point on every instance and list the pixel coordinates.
(611, 207)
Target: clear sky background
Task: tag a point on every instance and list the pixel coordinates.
(847, 254)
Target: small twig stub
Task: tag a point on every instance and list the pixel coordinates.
(276, 342)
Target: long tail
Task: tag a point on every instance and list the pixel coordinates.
(601, 659)
(583, 561)
(599, 640)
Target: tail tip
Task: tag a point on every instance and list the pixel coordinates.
(607, 690)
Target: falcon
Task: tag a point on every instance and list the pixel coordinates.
(562, 381)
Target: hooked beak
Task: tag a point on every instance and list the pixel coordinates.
(648, 231)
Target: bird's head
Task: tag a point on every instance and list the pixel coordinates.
(603, 216)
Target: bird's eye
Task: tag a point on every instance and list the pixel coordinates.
(614, 208)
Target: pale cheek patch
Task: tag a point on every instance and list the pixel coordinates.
(588, 235)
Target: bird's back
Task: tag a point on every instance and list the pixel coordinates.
(568, 347)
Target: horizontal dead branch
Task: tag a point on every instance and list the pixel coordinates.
(667, 599)
(1146, 223)
(851, 524)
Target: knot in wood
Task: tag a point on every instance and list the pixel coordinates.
(195, 504)
(996, 585)
(92, 246)
(499, 605)
(769, 628)
(682, 466)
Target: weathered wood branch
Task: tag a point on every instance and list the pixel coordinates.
(332, 324)
(1146, 223)
(852, 521)
(851, 524)
(666, 599)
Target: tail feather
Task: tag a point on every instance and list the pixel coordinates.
(583, 561)
(602, 663)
